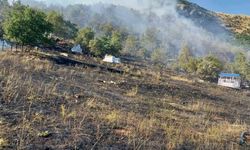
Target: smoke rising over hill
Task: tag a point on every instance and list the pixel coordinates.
(171, 29)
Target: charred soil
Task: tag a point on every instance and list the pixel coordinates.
(86, 104)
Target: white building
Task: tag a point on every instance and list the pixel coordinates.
(112, 59)
(230, 80)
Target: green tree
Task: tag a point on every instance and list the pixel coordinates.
(209, 68)
(150, 39)
(185, 57)
(116, 42)
(107, 29)
(241, 65)
(243, 39)
(143, 53)
(159, 55)
(84, 36)
(1, 31)
(96, 46)
(105, 45)
(26, 26)
(192, 65)
(131, 45)
(4, 6)
(61, 28)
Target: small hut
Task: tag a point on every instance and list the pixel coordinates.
(230, 80)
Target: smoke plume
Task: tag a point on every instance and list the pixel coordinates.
(174, 30)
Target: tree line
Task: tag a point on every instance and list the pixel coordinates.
(210, 66)
(27, 26)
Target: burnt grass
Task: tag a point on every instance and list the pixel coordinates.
(86, 104)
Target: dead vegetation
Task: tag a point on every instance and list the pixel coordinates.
(238, 24)
(46, 105)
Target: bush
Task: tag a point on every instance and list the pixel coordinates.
(106, 45)
(95, 47)
(84, 36)
(159, 55)
(241, 65)
(209, 68)
(61, 28)
(192, 65)
(184, 59)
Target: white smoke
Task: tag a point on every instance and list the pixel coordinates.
(174, 30)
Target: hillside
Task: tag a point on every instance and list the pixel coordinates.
(53, 100)
(168, 31)
(202, 17)
(212, 21)
(238, 24)
(58, 105)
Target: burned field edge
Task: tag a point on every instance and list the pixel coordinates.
(45, 104)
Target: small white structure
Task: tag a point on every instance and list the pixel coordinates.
(230, 80)
(4, 44)
(77, 49)
(64, 54)
(112, 59)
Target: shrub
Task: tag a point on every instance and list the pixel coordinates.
(241, 65)
(159, 55)
(185, 57)
(209, 68)
(84, 36)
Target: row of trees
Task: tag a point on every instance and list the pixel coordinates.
(31, 27)
(26, 26)
(109, 43)
(209, 67)
(61, 28)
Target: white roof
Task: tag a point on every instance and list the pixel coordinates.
(77, 49)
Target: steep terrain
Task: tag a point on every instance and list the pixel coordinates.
(85, 14)
(238, 24)
(213, 21)
(202, 17)
(50, 104)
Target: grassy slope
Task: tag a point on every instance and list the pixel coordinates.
(238, 24)
(145, 108)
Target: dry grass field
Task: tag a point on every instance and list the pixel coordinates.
(46, 105)
(236, 23)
